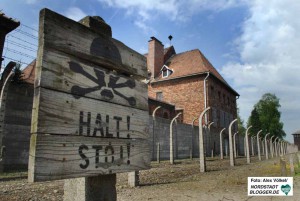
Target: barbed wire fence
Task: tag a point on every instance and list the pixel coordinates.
(20, 46)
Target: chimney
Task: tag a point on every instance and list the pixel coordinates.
(155, 58)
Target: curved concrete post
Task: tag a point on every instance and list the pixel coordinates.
(234, 145)
(221, 144)
(275, 147)
(201, 143)
(154, 111)
(2, 108)
(252, 145)
(171, 138)
(153, 133)
(247, 145)
(278, 147)
(231, 158)
(266, 146)
(192, 141)
(271, 147)
(258, 145)
(210, 139)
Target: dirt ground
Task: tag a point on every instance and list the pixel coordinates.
(182, 181)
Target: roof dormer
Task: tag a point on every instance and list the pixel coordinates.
(166, 71)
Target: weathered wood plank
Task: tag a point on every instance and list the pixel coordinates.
(61, 113)
(61, 157)
(63, 34)
(66, 73)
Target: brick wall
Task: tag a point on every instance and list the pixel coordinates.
(155, 56)
(185, 93)
(188, 94)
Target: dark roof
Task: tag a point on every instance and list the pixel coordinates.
(7, 24)
(159, 102)
(296, 133)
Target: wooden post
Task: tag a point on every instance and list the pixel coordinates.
(158, 153)
(283, 167)
(90, 111)
(292, 164)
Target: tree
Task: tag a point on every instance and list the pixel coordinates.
(254, 122)
(266, 116)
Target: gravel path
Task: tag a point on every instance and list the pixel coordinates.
(182, 181)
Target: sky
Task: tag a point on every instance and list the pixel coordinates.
(253, 44)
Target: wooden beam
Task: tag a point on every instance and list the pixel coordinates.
(61, 157)
(66, 35)
(62, 114)
(66, 73)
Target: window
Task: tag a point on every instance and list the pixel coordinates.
(166, 71)
(219, 95)
(159, 96)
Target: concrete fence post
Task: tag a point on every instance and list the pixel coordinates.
(292, 164)
(158, 153)
(283, 167)
(231, 158)
(271, 147)
(2, 108)
(192, 141)
(234, 145)
(221, 144)
(252, 145)
(171, 139)
(210, 137)
(247, 145)
(258, 145)
(266, 146)
(275, 147)
(154, 120)
(201, 143)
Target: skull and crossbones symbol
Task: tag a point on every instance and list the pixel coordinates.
(110, 88)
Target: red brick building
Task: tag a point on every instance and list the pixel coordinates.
(189, 82)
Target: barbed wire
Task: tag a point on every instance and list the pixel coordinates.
(24, 25)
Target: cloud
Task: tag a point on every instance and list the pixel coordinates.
(269, 58)
(31, 1)
(174, 10)
(75, 13)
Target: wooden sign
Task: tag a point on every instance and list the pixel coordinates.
(90, 110)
